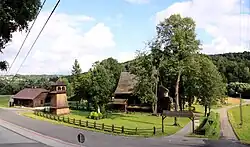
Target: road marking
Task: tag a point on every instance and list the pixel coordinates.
(50, 141)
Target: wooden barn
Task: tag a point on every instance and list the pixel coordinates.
(124, 98)
(56, 98)
(31, 97)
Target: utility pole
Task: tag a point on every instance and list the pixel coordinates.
(241, 118)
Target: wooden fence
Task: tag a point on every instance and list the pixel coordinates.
(103, 127)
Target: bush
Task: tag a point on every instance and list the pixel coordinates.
(95, 115)
(210, 126)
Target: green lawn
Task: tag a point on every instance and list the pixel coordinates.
(4, 100)
(131, 121)
(243, 132)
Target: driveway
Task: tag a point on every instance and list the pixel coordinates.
(95, 139)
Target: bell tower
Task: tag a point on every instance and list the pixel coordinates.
(59, 103)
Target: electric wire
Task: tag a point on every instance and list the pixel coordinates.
(25, 38)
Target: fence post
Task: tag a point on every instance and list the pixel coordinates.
(154, 130)
(74, 121)
(102, 126)
(68, 119)
(87, 124)
(58, 118)
(136, 130)
(122, 129)
(63, 119)
(95, 125)
(80, 122)
(113, 127)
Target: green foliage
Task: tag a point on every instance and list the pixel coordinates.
(76, 73)
(175, 41)
(210, 126)
(101, 86)
(202, 79)
(20, 82)
(15, 16)
(233, 66)
(114, 70)
(146, 80)
(234, 88)
(68, 86)
(95, 115)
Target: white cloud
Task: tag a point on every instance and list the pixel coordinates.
(137, 1)
(221, 19)
(62, 41)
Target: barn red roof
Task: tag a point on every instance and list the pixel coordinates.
(29, 93)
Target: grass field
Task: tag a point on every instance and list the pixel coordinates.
(243, 132)
(132, 121)
(4, 100)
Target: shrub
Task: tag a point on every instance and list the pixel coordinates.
(210, 126)
(95, 115)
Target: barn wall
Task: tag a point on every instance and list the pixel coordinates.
(40, 100)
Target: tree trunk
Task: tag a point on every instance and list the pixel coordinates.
(205, 110)
(177, 95)
(156, 96)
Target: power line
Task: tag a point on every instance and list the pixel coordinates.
(26, 37)
(35, 41)
(38, 35)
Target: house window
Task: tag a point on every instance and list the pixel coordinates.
(59, 88)
(63, 88)
(41, 101)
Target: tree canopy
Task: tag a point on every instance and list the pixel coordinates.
(15, 16)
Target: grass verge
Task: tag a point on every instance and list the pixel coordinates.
(242, 131)
(131, 121)
(4, 100)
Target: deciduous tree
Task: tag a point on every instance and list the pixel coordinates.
(15, 16)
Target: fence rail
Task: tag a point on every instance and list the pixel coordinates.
(101, 126)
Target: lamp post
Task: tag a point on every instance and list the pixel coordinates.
(241, 118)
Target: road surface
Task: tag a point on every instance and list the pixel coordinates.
(12, 139)
(95, 139)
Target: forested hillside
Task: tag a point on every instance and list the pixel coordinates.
(233, 66)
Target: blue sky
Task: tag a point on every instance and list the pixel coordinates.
(131, 24)
(92, 30)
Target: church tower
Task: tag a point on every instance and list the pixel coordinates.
(58, 94)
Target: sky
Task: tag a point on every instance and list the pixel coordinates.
(92, 30)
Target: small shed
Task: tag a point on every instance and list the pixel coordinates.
(31, 97)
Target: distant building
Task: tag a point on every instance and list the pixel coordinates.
(39, 97)
(31, 97)
(125, 99)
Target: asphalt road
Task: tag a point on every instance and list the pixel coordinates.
(12, 139)
(95, 139)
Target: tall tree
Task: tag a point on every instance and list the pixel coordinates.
(203, 80)
(114, 68)
(76, 71)
(176, 40)
(146, 84)
(100, 88)
(14, 16)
